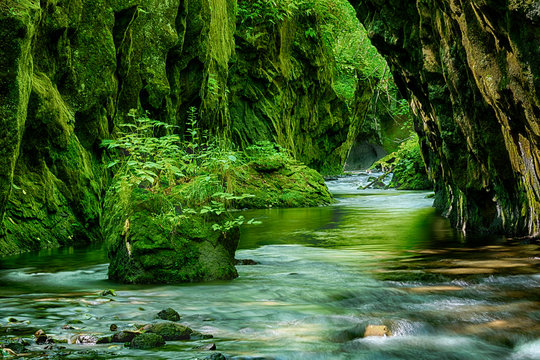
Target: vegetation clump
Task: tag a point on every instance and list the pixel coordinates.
(407, 166)
(168, 211)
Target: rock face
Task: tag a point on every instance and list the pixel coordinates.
(288, 83)
(72, 71)
(471, 69)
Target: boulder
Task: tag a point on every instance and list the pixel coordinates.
(169, 314)
(147, 341)
(170, 330)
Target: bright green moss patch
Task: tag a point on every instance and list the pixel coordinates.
(407, 166)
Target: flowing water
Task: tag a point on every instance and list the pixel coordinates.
(376, 257)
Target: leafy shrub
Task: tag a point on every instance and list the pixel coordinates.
(407, 165)
(193, 170)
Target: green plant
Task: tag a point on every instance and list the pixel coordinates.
(190, 173)
(144, 159)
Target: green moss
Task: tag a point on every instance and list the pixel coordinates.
(407, 166)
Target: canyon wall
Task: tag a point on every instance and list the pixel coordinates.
(471, 70)
(72, 71)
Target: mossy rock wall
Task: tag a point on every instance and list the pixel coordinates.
(287, 85)
(71, 71)
(472, 72)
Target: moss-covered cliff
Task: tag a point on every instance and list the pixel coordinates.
(471, 69)
(296, 79)
(70, 72)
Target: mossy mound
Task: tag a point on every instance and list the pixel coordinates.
(407, 166)
(150, 242)
(180, 230)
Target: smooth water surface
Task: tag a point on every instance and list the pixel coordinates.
(380, 257)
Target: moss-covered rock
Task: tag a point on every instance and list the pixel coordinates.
(407, 167)
(147, 341)
(147, 243)
(170, 330)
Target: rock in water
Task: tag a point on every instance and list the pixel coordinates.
(170, 330)
(147, 341)
(216, 356)
(123, 337)
(207, 347)
(377, 330)
(145, 247)
(169, 314)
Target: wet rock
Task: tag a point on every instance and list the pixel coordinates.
(377, 330)
(113, 327)
(84, 339)
(195, 335)
(246, 262)
(169, 330)
(348, 334)
(123, 336)
(42, 338)
(108, 292)
(207, 347)
(216, 356)
(16, 347)
(147, 341)
(169, 314)
(12, 320)
(104, 340)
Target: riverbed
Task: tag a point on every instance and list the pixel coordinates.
(375, 257)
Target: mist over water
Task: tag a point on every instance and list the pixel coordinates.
(379, 257)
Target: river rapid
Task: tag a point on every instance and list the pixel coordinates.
(375, 257)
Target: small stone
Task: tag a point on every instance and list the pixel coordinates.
(113, 327)
(12, 320)
(104, 340)
(169, 314)
(147, 341)
(170, 330)
(108, 292)
(67, 327)
(377, 330)
(207, 347)
(86, 339)
(216, 356)
(195, 335)
(41, 337)
(123, 336)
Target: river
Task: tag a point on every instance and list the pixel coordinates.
(376, 257)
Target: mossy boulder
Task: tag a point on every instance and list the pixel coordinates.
(147, 341)
(147, 243)
(170, 330)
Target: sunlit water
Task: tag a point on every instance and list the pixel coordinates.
(378, 257)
